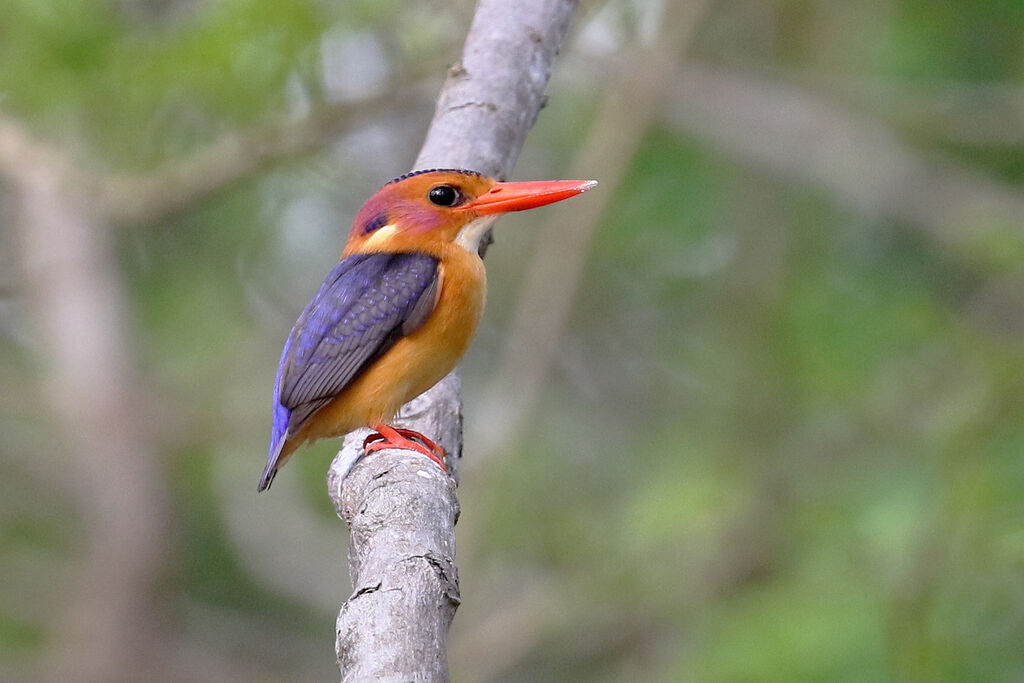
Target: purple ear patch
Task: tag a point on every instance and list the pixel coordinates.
(375, 223)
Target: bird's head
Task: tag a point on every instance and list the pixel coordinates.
(426, 210)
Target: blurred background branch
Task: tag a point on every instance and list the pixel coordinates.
(859, 161)
(152, 197)
(87, 361)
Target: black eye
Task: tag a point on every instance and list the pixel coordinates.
(444, 195)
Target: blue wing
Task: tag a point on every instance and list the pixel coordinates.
(364, 306)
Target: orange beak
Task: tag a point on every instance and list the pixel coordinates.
(526, 195)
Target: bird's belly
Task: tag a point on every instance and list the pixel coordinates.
(416, 362)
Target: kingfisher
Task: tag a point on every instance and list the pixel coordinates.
(397, 312)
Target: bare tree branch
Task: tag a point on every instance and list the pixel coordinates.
(400, 510)
(493, 95)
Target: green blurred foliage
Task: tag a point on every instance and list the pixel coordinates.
(783, 443)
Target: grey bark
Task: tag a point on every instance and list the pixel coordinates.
(400, 508)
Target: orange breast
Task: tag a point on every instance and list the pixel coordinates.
(416, 362)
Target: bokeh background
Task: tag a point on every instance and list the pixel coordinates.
(750, 411)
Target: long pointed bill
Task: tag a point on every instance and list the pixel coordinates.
(526, 195)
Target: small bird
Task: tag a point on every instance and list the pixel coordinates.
(397, 313)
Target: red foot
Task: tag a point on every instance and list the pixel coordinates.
(394, 437)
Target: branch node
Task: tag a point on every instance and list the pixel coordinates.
(457, 70)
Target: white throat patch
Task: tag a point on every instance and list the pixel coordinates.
(471, 234)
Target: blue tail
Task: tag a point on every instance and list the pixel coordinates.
(271, 469)
(279, 430)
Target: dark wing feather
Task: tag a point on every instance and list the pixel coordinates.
(363, 307)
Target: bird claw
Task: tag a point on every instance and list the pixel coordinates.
(407, 439)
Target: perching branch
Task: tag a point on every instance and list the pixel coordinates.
(400, 509)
